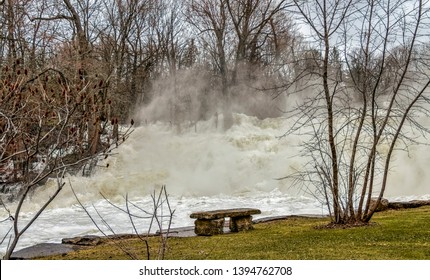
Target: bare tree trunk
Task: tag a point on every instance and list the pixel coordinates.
(354, 132)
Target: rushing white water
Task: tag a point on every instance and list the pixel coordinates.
(203, 168)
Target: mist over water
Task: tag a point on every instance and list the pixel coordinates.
(200, 161)
(203, 168)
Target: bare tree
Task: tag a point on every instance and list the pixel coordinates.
(78, 16)
(159, 217)
(247, 41)
(41, 135)
(211, 17)
(253, 22)
(352, 141)
(128, 51)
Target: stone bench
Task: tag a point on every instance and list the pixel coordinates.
(212, 222)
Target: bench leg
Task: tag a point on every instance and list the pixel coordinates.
(241, 223)
(209, 227)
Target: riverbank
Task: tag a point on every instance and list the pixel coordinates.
(47, 250)
(394, 234)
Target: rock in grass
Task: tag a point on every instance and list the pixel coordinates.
(87, 240)
(382, 206)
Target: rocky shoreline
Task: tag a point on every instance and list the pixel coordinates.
(72, 244)
(396, 205)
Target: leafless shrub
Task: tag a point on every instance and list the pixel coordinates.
(351, 142)
(157, 217)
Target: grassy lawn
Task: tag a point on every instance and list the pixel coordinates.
(395, 234)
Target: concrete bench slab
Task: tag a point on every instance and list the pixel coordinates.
(212, 222)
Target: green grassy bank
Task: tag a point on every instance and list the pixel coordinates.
(394, 234)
